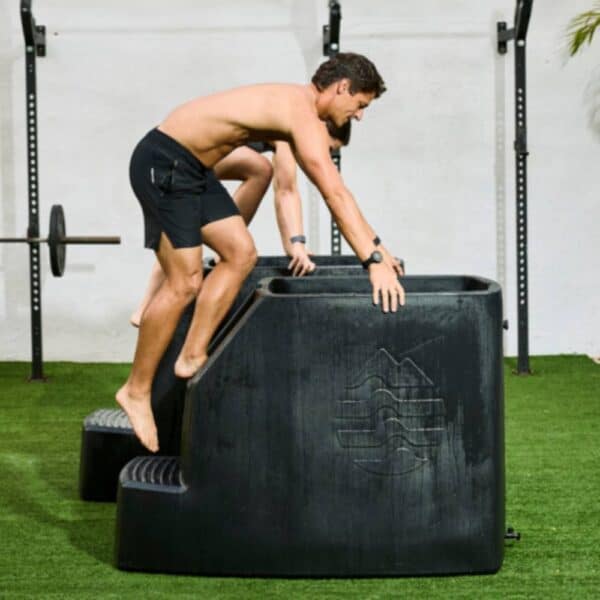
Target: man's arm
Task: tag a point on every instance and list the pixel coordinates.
(288, 209)
(311, 149)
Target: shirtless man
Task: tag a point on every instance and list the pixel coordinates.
(246, 164)
(171, 169)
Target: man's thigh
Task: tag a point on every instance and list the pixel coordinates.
(228, 237)
(241, 164)
(178, 262)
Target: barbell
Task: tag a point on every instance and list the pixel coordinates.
(58, 240)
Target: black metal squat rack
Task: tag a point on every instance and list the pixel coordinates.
(35, 46)
(57, 240)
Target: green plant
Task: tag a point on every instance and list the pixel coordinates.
(582, 28)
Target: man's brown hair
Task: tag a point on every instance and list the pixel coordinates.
(361, 72)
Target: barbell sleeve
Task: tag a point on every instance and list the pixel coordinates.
(90, 240)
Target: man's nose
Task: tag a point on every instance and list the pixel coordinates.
(358, 115)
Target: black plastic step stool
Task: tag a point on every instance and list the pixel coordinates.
(324, 438)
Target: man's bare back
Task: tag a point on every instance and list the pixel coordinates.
(212, 126)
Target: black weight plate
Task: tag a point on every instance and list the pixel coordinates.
(56, 233)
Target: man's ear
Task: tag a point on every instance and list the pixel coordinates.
(343, 86)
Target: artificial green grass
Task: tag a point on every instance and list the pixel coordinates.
(52, 545)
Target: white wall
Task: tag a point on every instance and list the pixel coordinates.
(431, 164)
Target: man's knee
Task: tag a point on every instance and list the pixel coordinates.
(248, 255)
(185, 287)
(243, 255)
(263, 170)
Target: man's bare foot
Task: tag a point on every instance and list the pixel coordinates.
(187, 367)
(136, 319)
(139, 411)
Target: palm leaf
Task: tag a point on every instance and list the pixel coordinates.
(582, 28)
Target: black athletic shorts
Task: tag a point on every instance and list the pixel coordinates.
(178, 194)
(261, 147)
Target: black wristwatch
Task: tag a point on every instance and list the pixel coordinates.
(376, 257)
(301, 239)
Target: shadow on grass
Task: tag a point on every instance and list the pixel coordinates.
(90, 527)
(39, 455)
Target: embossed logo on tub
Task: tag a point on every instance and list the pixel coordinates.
(392, 419)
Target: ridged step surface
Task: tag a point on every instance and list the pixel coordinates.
(159, 471)
(107, 419)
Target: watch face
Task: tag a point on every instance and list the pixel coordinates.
(375, 258)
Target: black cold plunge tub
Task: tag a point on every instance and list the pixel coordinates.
(325, 438)
(107, 439)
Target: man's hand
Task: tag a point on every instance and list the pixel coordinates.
(391, 261)
(300, 264)
(385, 284)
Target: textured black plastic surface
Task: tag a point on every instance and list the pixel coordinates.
(168, 391)
(107, 440)
(324, 438)
(104, 451)
(149, 471)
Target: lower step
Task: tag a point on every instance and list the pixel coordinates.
(153, 472)
(107, 445)
(109, 420)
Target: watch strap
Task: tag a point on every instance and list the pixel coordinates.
(372, 260)
(301, 239)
